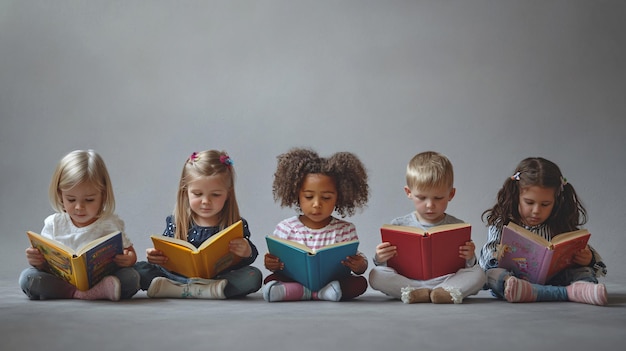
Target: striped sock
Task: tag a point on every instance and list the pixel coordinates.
(587, 292)
(519, 290)
(280, 291)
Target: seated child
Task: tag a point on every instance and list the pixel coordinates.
(429, 178)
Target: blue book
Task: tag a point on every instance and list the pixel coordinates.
(312, 268)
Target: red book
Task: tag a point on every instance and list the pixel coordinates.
(426, 254)
(531, 257)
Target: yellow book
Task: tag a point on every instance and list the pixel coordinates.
(84, 267)
(206, 261)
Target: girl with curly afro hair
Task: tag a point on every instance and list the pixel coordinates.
(317, 187)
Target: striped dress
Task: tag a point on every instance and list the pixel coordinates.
(335, 232)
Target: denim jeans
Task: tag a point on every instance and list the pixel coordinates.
(554, 290)
(40, 285)
(241, 281)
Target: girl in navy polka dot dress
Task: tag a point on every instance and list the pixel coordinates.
(205, 205)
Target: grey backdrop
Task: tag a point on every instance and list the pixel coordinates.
(145, 83)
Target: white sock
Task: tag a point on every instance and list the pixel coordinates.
(330, 292)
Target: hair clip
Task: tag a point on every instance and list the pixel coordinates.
(563, 182)
(194, 157)
(515, 176)
(226, 160)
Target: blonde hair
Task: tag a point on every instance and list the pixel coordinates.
(82, 166)
(429, 169)
(205, 164)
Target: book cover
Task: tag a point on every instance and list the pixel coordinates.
(209, 259)
(531, 257)
(426, 254)
(312, 268)
(84, 267)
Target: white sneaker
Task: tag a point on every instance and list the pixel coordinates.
(161, 287)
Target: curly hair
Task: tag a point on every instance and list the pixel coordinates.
(568, 212)
(344, 168)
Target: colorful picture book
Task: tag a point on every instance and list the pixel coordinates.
(426, 254)
(206, 261)
(312, 268)
(531, 257)
(84, 267)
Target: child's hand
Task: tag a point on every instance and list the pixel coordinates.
(384, 251)
(583, 257)
(272, 263)
(467, 251)
(240, 247)
(356, 263)
(35, 258)
(155, 256)
(127, 259)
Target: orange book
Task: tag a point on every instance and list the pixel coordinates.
(206, 261)
(426, 254)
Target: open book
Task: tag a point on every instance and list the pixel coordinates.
(84, 267)
(312, 268)
(426, 254)
(206, 261)
(531, 257)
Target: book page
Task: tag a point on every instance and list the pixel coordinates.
(161, 241)
(447, 227)
(569, 236)
(293, 244)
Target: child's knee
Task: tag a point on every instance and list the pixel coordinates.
(352, 287)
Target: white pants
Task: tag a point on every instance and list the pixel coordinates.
(469, 281)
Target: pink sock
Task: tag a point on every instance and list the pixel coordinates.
(519, 290)
(107, 289)
(587, 292)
